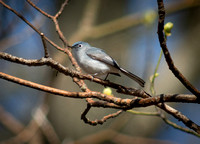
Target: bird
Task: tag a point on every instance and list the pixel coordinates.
(97, 63)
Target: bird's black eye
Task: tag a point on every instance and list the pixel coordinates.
(80, 45)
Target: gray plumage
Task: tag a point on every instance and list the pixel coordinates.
(96, 62)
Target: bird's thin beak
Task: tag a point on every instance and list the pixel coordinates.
(71, 47)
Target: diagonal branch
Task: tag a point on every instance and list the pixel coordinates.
(54, 19)
(172, 67)
(61, 9)
(174, 125)
(41, 11)
(178, 115)
(34, 28)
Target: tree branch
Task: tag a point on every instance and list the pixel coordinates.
(55, 65)
(125, 103)
(162, 40)
(119, 103)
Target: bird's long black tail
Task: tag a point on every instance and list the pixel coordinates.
(140, 81)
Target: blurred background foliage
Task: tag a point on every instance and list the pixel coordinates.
(135, 47)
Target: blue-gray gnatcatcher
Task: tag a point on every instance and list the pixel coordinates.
(96, 62)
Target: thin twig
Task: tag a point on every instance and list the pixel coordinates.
(178, 115)
(54, 19)
(20, 16)
(60, 34)
(27, 22)
(61, 9)
(152, 89)
(41, 11)
(95, 122)
(167, 121)
(143, 113)
(46, 54)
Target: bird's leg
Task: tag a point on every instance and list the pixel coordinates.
(106, 77)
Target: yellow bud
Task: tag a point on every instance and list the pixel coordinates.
(155, 75)
(107, 91)
(167, 28)
(149, 17)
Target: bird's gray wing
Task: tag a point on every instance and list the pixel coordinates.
(100, 55)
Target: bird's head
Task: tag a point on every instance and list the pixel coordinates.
(80, 45)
